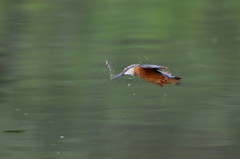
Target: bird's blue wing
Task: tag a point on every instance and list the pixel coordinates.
(151, 66)
(166, 74)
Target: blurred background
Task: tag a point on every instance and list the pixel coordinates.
(57, 100)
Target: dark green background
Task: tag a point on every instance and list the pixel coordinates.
(57, 101)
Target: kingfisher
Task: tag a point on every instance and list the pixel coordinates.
(151, 73)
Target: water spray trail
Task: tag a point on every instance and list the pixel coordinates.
(110, 69)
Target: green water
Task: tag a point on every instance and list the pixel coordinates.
(57, 100)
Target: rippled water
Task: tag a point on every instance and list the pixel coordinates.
(57, 99)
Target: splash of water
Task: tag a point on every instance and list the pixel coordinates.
(146, 58)
(108, 64)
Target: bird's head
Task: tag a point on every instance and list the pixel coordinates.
(127, 71)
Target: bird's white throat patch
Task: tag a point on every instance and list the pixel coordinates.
(130, 71)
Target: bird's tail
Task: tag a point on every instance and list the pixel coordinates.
(177, 78)
(178, 83)
(174, 80)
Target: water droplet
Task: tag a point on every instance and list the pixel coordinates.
(134, 94)
(17, 109)
(129, 84)
(61, 137)
(25, 113)
(146, 58)
(214, 40)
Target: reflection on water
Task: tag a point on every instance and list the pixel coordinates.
(57, 100)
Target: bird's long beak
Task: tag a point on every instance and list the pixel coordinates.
(120, 74)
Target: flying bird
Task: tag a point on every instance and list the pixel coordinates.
(151, 73)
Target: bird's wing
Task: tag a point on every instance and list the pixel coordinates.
(159, 69)
(153, 67)
(165, 73)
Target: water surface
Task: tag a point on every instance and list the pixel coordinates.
(57, 100)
